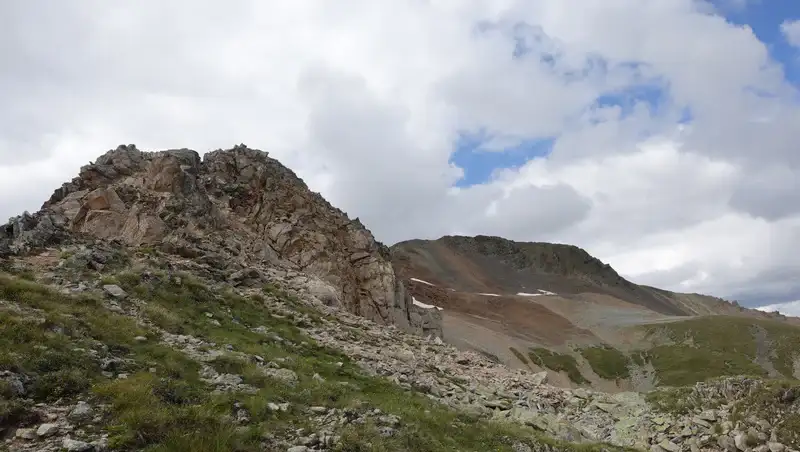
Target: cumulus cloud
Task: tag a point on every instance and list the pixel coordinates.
(791, 31)
(366, 99)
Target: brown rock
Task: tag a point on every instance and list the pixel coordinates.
(240, 206)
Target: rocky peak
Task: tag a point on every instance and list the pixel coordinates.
(233, 210)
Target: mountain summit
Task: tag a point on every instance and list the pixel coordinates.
(237, 212)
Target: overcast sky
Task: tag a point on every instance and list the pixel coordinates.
(660, 135)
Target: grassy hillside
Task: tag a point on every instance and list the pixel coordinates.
(689, 351)
(157, 399)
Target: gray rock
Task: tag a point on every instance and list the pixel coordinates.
(726, 443)
(521, 447)
(776, 447)
(46, 430)
(25, 433)
(115, 291)
(298, 449)
(81, 413)
(539, 378)
(72, 445)
(669, 446)
(287, 376)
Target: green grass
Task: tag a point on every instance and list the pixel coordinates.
(171, 409)
(715, 346)
(607, 362)
(558, 362)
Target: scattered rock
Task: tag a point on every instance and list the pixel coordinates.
(81, 413)
(72, 445)
(115, 291)
(46, 430)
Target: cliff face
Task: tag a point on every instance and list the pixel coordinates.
(237, 210)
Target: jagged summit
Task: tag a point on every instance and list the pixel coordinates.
(235, 209)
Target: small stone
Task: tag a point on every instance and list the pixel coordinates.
(776, 447)
(726, 443)
(298, 449)
(539, 378)
(122, 376)
(669, 446)
(318, 378)
(46, 430)
(81, 412)
(521, 447)
(115, 291)
(72, 445)
(318, 409)
(25, 433)
(140, 339)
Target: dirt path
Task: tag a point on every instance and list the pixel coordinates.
(763, 351)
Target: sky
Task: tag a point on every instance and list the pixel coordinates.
(659, 135)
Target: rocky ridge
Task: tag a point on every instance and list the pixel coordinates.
(238, 210)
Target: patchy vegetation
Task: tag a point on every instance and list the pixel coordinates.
(557, 362)
(715, 346)
(607, 362)
(65, 345)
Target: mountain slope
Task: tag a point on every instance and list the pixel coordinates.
(508, 299)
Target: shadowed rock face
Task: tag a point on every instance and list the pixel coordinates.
(234, 209)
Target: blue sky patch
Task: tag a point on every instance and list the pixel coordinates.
(479, 163)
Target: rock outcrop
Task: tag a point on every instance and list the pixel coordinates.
(238, 211)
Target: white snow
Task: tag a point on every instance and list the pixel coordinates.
(424, 305)
(421, 281)
(541, 292)
(489, 294)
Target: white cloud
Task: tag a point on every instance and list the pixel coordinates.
(365, 99)
(791, 308)
(791, 31)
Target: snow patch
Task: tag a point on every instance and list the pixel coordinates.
(421, 281)
(489, 294)
(541, 292)
(424, 305)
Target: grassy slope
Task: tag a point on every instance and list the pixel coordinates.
(714, 346)
(164, 406)
(558, 362)
(696, 350)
